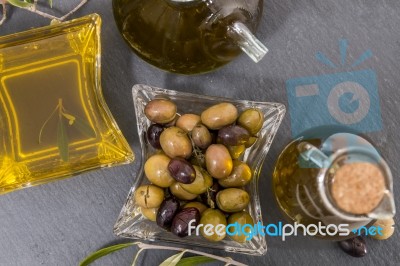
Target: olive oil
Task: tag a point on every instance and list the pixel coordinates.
(53, 120)
(317, 178)
(184, 37)
(291, 182)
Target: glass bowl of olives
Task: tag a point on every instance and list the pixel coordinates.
(201, 160)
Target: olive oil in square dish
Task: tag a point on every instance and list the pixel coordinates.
(54, 121)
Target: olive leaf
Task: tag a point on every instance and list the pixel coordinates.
(195, 260)
(62, 140)
(84, 128)
(173, 260)
(20, 3)
(62, 134)
(103, 252)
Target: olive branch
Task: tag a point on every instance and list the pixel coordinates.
(32, 6)
(197, 152)
(174, 260)
(62, 135)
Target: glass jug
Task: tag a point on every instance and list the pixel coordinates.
(334, 179)
(190, 36)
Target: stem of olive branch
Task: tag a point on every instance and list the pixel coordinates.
(137, 256)
(46, 15)
(228, 261)
(74, 10)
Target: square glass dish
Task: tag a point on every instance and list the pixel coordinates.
(54, 121)
(132, 224)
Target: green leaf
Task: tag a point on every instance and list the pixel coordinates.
(84, 128)
(51, 3)
(19, 3)
(62, 140)
(195, 260)
(173, 260)
(103, 252)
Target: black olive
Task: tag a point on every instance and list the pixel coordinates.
(180, 224)
(153, 135)
(233, 135)
(355, 247)
(167, 211)
(182, 170)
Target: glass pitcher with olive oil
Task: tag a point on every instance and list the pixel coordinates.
(190, 36)
(333, 179)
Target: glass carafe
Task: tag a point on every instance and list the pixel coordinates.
(190, 36)
(314, 177)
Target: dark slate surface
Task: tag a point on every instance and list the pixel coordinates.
(60, 223)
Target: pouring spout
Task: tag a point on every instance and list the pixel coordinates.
(247, 42)
(310, 153)
(386, 208)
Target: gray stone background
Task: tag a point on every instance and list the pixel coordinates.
(62, 222)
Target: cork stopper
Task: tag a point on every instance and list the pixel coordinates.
(358, 188)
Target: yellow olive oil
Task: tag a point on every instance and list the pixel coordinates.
(332, 182)
(295, 186)
(183, 37)
(53, 119)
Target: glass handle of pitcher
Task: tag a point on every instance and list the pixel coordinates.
(310, 153)
(247, 42)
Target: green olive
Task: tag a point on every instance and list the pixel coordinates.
(198, 205)
(176, 143)
(200, 184)
(160, 111)
(156, 170)
(242, 218)
(232, 199)
(236, 151)
(387, 230)
(252, 120)
(149, 213)
(219, 115)
(214, 225)
(177, 190)
(149, 196)
(250, 142)
(201, 136)
(240, 176)
(172, 122)
(188, 121)
(218, 161)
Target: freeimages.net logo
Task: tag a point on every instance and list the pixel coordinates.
(346, 98)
